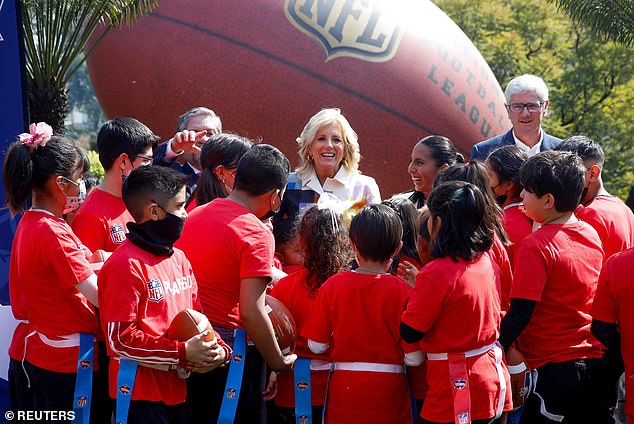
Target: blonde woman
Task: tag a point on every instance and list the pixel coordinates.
(329, 166)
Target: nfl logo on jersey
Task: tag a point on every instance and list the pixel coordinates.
(463, 418)
(117, 233)
(155, 291)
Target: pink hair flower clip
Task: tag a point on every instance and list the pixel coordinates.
(39, 134)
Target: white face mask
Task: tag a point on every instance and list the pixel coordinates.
(73, 202)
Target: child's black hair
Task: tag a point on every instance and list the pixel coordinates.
(263, 168)
(24, 170)
(506, 162)
(467, 223)
(408, 214)
(474, 172)
(147, 184)
(123, 135)
(585, 147)
(376, 232)
(561, 174)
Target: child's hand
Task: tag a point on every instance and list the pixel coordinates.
(99, 256)
(199, 354)
(407, 272)
(218, 355)
(287, 364)
(271, 388)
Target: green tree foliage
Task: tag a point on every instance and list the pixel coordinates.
(95, 166)
(56, 32)
(591, 79)
(611, 18)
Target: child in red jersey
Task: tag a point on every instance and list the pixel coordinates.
(503, 166)
(231, 252)
(454, 311)
(142, 286)
(475, 172)
(357, 314)
(607, 214)
(613, 315)
(555, 277)
(326, 251)
(53, 287)
(123, 144)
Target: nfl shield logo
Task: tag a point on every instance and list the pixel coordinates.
(117, 233)
(460, 383)
(82, 401)
(364, 30)
(231, 394)
(463, 418)
(155, 291)
(303, 419)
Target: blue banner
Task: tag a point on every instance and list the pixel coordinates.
(12, 123)
(12, 117)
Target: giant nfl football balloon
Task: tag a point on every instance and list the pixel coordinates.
(399, 70)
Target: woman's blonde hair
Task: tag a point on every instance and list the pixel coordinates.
(351, 154)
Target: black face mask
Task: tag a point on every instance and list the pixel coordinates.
(500, 199)
(267, 215)
(157, 237)
(583, 193)
(270, 213)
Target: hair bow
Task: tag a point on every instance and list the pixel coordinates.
(39, 134)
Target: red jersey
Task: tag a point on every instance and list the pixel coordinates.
(358, 315)
(500, 257)
(558, 267)
(19, 310)
(612, 219)
(225, 243)
(517, 226)
(47, 261)
(136, 286)
(100, 222)
(294, 293)
(613, 303)
(447, 295)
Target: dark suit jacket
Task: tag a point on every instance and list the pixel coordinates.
(481, 150)
(161, 160)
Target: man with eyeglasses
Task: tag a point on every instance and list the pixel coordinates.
(526, 105)
(205, 123)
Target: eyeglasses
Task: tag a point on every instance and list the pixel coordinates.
(77, 183)
(517, 108)
(147, 160)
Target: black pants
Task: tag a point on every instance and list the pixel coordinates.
(206, 391)
(52, 391)
(146, 412)
(287, 415)
(101, 406)
(573, 389)
(20, 394)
